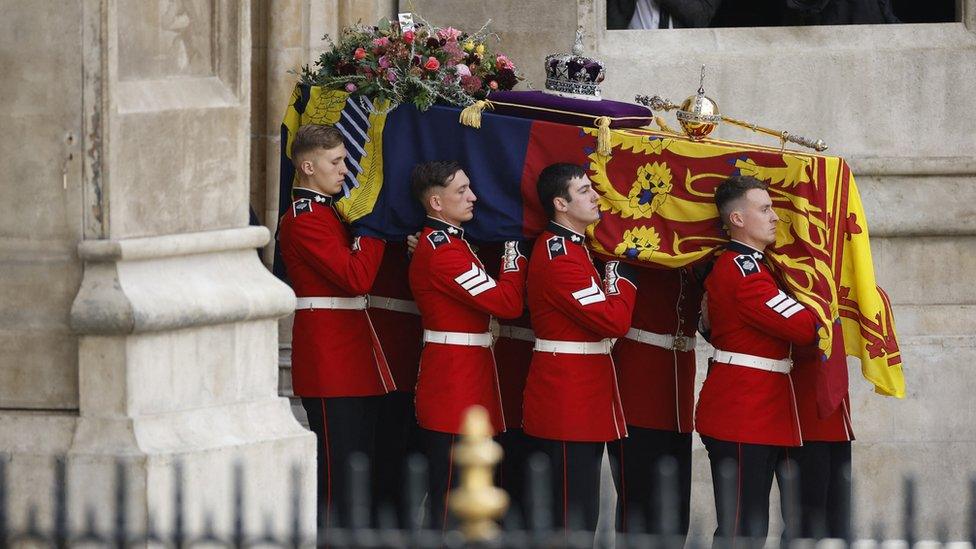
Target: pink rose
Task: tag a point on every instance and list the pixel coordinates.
(384, 62)
(391, 75)
(408, 37)
(462, 70)
(381, 42)
(350, 87)
(493, 85)
(359, 54)
(449, 34)
(432, 64)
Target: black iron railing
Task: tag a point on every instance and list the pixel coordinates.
(369, 528)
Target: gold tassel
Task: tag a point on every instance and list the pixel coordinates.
(471, 115)
(603, 135)
(664, 125)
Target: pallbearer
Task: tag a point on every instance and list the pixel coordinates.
(397, 321)
(747, 413)
(457, 299)
(338, 367)
(572, 403)
(825, 495)
(656, 371)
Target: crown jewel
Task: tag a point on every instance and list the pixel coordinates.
(573, 74)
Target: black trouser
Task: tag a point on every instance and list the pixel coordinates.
(742, 499)
(442, 475)
(512, 472)
(824, 493)
(343, 427)
(397, 437)
(645, 498)
(575, 468)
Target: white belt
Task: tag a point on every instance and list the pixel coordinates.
(458, 338)
(665, 341)
(393, 304)
(574, 347)
(311, 303)
(516, 332)
(782, 366)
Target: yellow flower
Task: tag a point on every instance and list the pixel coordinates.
(468, 45)
(480, 49)
(637, 240)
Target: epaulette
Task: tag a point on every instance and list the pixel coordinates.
(301, 206)
(556, 246)
(747, 264)
(438, 238)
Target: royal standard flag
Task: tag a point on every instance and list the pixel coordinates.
(656, 199)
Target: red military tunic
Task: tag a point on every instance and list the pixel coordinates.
(749, 314)
(513, 348)
(396, 318)
(574, 397)
(456, 294)
(836, 427)
(657, 385)
(334, 351)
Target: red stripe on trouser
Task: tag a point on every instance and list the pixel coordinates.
(328, 466)
(565, 491)
(382, 366)
(623, 488)
(738, 495)
(450, 474)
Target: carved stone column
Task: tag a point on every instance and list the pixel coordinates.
(167, 351)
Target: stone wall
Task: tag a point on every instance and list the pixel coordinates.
(139, 323)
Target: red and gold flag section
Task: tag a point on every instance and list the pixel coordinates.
(657, 199)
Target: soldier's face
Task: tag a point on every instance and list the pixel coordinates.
(582, 209)
(758, 218)
(454, 202)
(326, 169)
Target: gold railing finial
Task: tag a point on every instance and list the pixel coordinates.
(477, 502)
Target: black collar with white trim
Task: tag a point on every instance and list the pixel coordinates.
(299, 193)
(744, 249)
(440, 225)
(566, 232)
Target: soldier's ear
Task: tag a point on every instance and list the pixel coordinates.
(735, 219)
(560, 204)
(434, 202)
(306, 167)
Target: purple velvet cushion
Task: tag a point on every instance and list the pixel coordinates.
(588, 110)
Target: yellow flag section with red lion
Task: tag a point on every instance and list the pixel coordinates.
(657, 197)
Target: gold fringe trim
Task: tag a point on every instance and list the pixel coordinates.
(471, 115)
